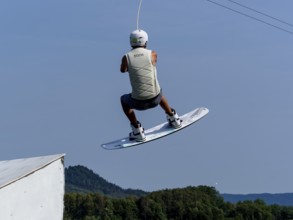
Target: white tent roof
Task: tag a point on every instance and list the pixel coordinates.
(13, 170)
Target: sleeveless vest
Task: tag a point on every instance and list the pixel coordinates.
(142, 74)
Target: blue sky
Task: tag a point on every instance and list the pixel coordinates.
(60, 87)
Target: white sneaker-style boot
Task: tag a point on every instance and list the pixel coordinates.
(137, 134)
(174, 120)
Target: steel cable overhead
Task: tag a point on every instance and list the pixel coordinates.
(259, 12)
(255, 18)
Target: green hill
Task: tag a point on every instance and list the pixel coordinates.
(285, 199)
(80, 179)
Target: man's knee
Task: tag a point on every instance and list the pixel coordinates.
(123, 100)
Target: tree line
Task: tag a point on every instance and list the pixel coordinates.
(198, 203)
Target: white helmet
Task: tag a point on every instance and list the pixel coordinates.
(138, 38)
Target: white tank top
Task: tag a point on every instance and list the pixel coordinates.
(142, 74)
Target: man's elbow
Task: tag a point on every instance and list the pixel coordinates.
(123, 70)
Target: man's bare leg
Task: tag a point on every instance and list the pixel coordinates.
(172, 116)
(164, 104)
(130, 115)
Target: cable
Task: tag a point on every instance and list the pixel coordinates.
(249, 16)
(138, 12)
(269, 16)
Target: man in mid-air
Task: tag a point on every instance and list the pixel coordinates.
(146, 93)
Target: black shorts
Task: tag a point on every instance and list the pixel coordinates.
(132, 103)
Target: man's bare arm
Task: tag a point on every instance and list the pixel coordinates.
(154, 58)
(124, 65)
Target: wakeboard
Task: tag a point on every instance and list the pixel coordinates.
(158, 131)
